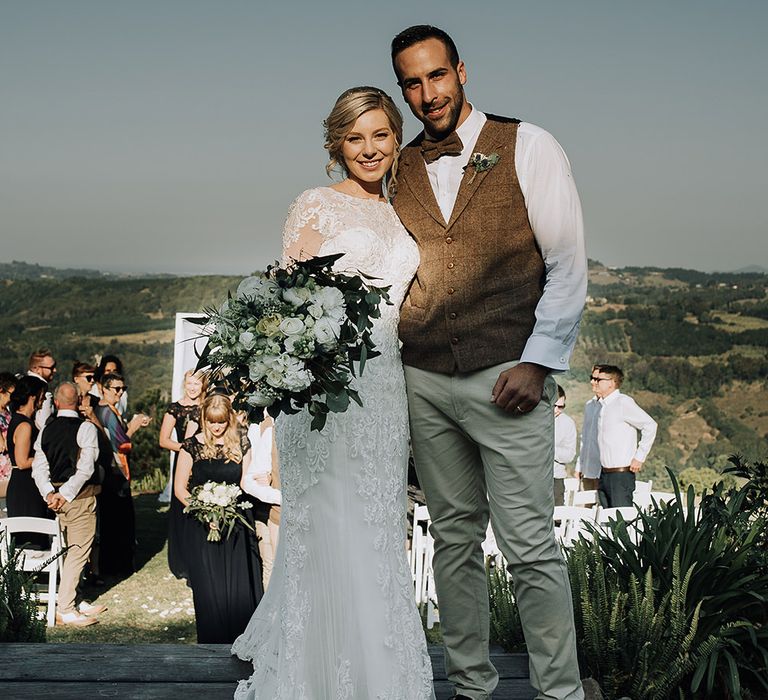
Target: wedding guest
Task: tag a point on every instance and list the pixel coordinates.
(22, 498)
(565, 445)
(7, 385)
(43, 366)
(65, 476)
(182, 417)
(588, 464)
(118, 520)
(263, 483)
(225, 576)
(83, 375)
(110, 364)
(621, 454)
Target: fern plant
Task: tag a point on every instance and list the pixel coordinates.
(506, 629)
(18, 608)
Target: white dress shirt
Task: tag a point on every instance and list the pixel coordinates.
(260, 466)
(87, 441)
(617, 427)
(565, 444)
(554, 212)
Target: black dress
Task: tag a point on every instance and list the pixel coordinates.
(225, 576)
(23, 497)
(178, 538)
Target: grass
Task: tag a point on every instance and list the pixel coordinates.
(151, 606)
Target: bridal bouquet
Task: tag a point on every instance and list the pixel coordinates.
(217, 506)
(289, 339)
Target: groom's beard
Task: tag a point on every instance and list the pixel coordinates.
(445, 126)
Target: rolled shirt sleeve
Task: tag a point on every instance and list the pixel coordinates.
(88, 442)
(641, 421)
(554, 212)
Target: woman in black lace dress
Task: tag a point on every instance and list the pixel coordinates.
(225, 576)
(183, 417)
(23, 498)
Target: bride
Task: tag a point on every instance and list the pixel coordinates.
(339, 621)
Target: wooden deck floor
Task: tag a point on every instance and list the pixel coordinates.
(172, 672)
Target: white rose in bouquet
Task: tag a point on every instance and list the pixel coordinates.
(326, 331)
(292, 326)
(332, 301)
(247, 339)
(297, 295)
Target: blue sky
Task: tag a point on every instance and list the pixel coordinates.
(171, 135)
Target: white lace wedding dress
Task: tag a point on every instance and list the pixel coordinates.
(338, 621)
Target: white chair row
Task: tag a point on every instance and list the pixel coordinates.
(575, 497)
(47, 561)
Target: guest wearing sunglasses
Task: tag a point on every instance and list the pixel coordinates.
(117, 513)
(565, 445)
(43, 366)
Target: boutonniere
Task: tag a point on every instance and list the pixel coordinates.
(481, 162)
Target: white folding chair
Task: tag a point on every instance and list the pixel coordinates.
(33, 560)
(641, 493)
(585, 498)
(628, 513)
(571, 485)
(569, 522)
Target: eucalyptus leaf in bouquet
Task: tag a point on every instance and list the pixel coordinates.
(294, 337)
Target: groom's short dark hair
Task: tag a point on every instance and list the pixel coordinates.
(422, 32)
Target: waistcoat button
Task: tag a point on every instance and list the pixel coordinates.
(449, 240)
(455, 341)
(451, 266)
(452, 315)
(451, 290)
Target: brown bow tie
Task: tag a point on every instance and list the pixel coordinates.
(450, 146)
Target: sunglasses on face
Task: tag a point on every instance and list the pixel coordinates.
(561, 406)
(600, 379)
(118, 389)
(87, 377)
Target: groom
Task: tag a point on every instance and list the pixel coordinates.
(493, 310)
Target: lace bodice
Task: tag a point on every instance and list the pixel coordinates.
(371, 237)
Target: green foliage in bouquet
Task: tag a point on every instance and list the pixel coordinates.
(18, 608)
(290, 338)
(219, 507)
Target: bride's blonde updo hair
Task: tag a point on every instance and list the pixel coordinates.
(349, 107)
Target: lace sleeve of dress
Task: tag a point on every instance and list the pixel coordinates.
(192, 446)
(302, 233)
(173, 409)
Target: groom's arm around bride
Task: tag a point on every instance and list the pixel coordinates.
(494, 308)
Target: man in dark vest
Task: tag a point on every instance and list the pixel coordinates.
(493, 310)
(63, 469)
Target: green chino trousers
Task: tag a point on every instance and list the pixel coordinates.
(474, 460)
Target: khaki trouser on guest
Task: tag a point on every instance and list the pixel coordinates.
(77, 520)
(474, 460)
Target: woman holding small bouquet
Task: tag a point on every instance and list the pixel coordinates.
(223, 567)
(339, 619)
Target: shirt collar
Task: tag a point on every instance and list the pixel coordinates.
(613, 396)
(471, 126)
(67, 413)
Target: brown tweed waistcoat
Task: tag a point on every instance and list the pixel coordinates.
(472, 303)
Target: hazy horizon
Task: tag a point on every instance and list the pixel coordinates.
(171, 137)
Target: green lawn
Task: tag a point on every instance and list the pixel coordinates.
(152, 606)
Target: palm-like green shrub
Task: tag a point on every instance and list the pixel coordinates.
(18, 609)
(632, 645)
(723, 547)
(506, 629)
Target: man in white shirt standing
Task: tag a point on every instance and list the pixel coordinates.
(565, 445)
(493, 310)
(621, 454)
(64, 472)
(43, 366)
